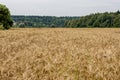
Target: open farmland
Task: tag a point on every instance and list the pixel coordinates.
(60, 54)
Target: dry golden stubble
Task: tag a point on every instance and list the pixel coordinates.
(60, 54)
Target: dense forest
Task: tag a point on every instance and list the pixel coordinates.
(102, 20)
(40, 21)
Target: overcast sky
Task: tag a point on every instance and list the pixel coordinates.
(60, 7)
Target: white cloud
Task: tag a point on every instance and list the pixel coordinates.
(60, 7)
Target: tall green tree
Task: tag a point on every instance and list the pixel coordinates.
(5, 17)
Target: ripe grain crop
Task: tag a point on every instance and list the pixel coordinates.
(60, 54)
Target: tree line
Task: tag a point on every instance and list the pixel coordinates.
(100, 20)
(40, 21)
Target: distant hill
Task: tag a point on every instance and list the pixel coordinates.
(101, 20)
(40, 21)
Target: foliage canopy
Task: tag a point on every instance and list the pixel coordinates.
(5, 17)
(100, 20)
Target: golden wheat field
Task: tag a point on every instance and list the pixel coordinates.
(60, 54)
